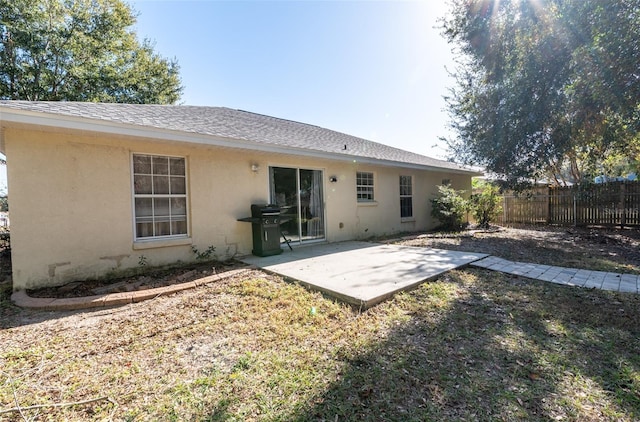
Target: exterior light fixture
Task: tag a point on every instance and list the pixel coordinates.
(333, 179)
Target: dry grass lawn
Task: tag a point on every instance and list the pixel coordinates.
(471, 345)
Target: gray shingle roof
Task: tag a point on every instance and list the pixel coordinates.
(221, 122)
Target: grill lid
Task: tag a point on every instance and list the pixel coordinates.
(261, 210)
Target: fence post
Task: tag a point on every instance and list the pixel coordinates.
(575, 211)
(504, 209)
(548, 205)
(623, 205)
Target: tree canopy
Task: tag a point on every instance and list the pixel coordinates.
(80, 50)
(545, 88)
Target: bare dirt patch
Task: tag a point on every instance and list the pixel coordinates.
(589, 248)
(149, 279)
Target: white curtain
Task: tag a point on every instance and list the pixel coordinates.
(315, 226)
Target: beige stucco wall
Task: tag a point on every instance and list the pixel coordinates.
(72, 216)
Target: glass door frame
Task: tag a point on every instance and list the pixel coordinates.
(299, 238)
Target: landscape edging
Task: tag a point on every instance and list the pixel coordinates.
(22, 299)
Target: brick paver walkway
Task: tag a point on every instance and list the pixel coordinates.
(629, 283)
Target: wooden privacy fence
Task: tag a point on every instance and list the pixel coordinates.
(607, 204)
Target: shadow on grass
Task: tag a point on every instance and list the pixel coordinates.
(529, 351)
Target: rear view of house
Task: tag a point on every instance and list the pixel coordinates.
(97, 189)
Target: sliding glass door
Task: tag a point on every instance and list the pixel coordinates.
(299, 194)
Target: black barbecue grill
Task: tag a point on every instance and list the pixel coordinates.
(264, 210)
(265, 224)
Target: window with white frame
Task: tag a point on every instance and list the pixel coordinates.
(406, 197)
(160, 196)
(364, 186)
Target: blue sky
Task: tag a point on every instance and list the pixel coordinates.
(373, 69)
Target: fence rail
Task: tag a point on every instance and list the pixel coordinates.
(608, 204)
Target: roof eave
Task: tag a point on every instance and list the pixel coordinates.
(29, 117)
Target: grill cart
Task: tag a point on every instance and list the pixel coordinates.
(265, 224)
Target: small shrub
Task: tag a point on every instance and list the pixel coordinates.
(206, 255)
(142, 261)
(449, 207)
(485, 206)
(5, 241)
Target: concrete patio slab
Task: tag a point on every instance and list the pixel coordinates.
(362, 273)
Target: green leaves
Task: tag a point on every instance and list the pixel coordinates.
(449, 207)
(80, 50)
(485, 204)
(545, 87)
